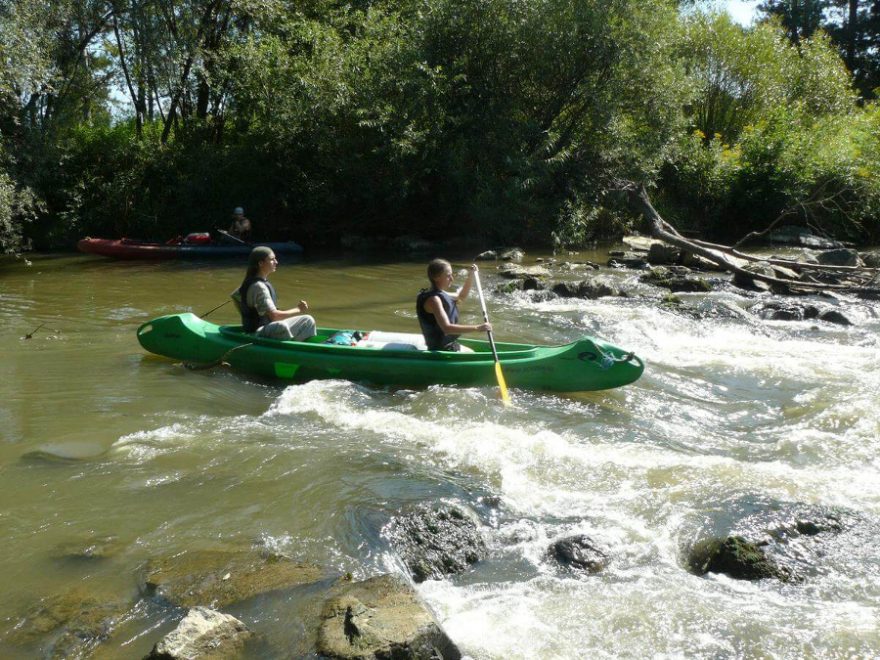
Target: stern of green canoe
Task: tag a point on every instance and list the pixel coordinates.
(184, 337)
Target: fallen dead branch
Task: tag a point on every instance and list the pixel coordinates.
(719, 255)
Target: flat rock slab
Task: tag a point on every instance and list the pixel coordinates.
(218, 577)
(516, 272)
(380, 618)
(203, 634)
(640, 243)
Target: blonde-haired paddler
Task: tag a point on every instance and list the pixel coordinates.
(437, 309)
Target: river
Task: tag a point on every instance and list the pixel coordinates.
(100, 440)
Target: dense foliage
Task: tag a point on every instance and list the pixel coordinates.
(775, 130)
(492, 119)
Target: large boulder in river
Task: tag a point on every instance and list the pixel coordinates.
(527, 283)
(871, 259)
(736, 557)
(380, 618)
(203, 634)
(744, 281)
(434, 541)
(513, 254)
(590, 288)
(661, 254)
(221, 577)
(579, 552)
(672, 279)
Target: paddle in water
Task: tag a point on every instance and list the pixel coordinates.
(505, 397)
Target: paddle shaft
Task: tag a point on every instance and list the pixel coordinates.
(502, 385)
(234, 238)
(215, 309)
(485, 314)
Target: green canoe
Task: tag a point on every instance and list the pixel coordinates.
(586, 364)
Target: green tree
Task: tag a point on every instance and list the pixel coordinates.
(800, 18)
(775, 127)
(854, 26)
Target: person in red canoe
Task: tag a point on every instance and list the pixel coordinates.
(437, 309)
(241, 226)
(258, 302)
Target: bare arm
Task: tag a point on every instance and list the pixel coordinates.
(281, 314)
(463, 292)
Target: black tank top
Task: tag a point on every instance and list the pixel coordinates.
(434, 337)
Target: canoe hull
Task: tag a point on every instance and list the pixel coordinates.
(128, 249)
(587, 364)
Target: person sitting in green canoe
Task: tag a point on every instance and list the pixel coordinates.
(437, 309)
(258, 302)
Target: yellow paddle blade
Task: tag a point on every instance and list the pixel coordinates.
(505, 397)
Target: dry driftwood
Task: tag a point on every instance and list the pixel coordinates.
(719, 254)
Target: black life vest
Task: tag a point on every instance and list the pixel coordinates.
(434, 337)
(250, 317)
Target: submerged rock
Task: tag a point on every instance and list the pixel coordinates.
(797, 311)
(706, 309)
(434, 542)
(88, 548)
(780, 540)
(579, 552)
(218, 578)
(202, 634)
(840, 257)
(381, 618)
(79, 618)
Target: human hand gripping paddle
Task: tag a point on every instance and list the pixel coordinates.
(505, 397)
